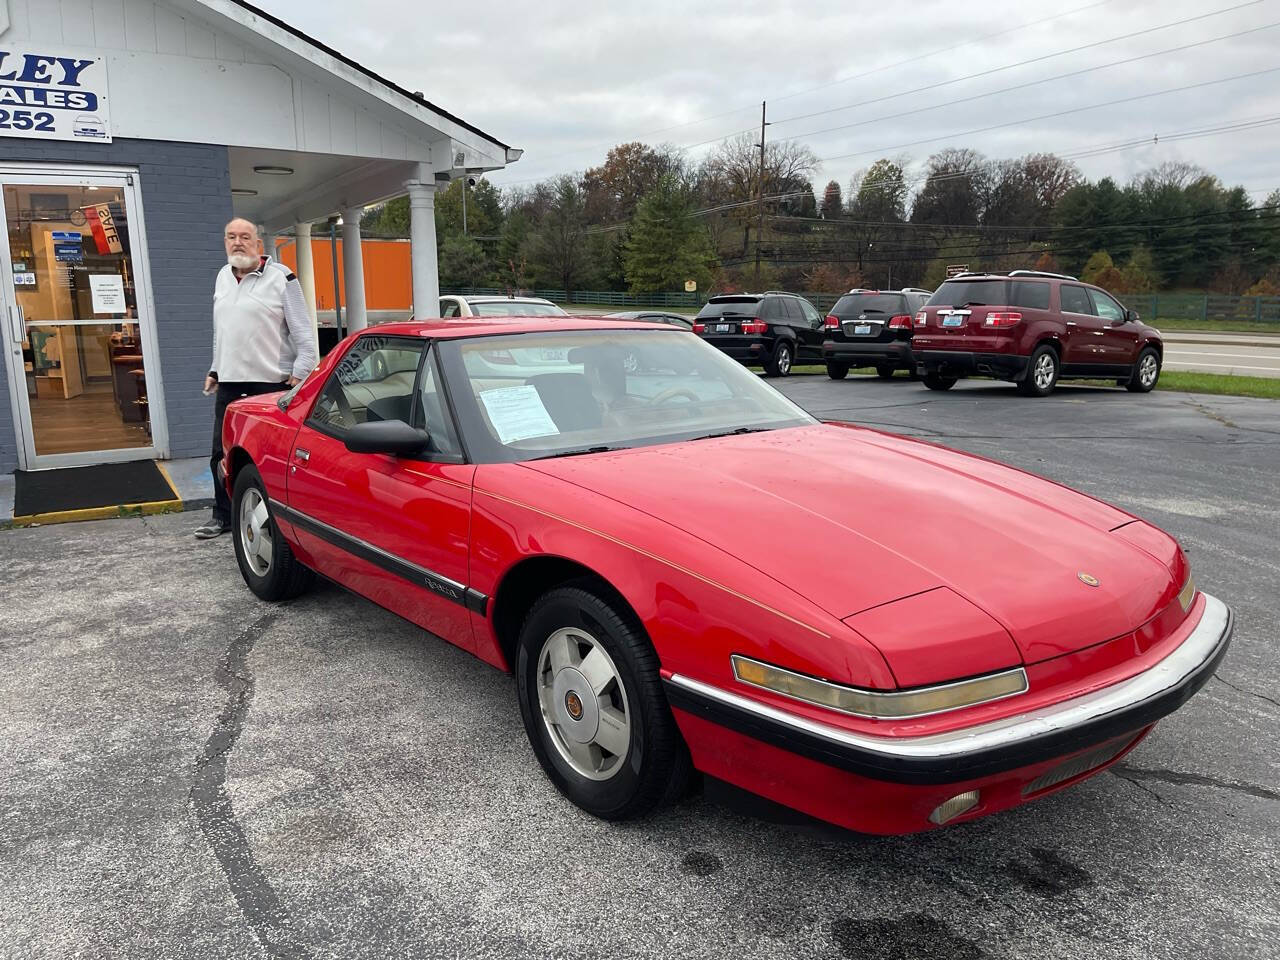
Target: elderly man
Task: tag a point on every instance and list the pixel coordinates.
(263, 340)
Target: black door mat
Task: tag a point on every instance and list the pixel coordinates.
(83, 488)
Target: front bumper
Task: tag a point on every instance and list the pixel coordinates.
(958, 363)
(984, 750)
(868, 354)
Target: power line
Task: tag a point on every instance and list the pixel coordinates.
(1058, 113)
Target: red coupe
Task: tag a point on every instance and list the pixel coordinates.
(684, 570)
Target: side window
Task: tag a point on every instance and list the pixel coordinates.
(1105, 307)
(1032, 295)
(373, 381)
(449, 308)
(791, 312)
(772, 311)
(1075, 300)
(811, 315)
(435, 418)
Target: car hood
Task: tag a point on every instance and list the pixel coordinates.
(853, 518)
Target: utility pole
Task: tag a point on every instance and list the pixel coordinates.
(760, 227)
(465, 178)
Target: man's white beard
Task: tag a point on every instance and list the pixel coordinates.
(242, 261)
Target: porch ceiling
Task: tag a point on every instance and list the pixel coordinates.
(320, 185)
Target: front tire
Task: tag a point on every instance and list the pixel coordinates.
(1146, 372)
(779, 365)
(593, 706)
(265, 558)
(837, 371)
(1042, 372)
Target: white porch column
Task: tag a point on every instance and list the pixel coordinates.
(422, 253)
(306, 267)
(353, 269)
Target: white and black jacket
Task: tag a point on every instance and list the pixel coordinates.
(262, 330)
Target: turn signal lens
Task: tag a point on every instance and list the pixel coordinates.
(921, 317)
(755, 326)
(699, 327)
(902, 322)
(1003, 319)
(882, 704)
(1187, 593)
(832, 322)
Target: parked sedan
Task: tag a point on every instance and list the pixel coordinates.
(981, 638)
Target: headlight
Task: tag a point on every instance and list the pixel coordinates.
(891, 704)
(1187, 593)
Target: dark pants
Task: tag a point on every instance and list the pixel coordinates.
(228, 392)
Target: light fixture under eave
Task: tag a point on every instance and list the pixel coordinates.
(274, 171)
(243, 192)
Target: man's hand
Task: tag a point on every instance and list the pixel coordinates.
(293, 381)
(210, 385)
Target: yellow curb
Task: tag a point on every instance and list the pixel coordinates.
(100, 513)
(173, 487)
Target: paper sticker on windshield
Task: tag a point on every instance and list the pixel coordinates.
(517, 413)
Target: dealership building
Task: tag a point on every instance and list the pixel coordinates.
(131, 131)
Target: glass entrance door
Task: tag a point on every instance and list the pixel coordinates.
(79, 335)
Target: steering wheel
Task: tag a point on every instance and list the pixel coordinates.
(671, 393)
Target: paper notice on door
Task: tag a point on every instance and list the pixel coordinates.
(517, 413)
(108, 293)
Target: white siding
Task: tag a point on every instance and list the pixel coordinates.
(170, 74)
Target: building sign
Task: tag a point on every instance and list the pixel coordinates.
(53, 95)
(955, 269)
(690, 286)
(103, 225)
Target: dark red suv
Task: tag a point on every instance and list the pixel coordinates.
(1033, 329)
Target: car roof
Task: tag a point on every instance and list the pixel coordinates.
(506, 300)
(449, 328)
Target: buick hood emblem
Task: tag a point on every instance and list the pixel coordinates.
(1088, 578)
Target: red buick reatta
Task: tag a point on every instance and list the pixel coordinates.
(684, 570)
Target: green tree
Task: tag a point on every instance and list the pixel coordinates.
(484, 210)
(559, 246)
(462, 263)
(668, 245)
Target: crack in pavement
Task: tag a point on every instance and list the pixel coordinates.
(258, 903)
(1250, 693)
(1133, 774)
(1147, 790)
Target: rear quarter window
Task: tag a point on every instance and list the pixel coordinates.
(1034, 295)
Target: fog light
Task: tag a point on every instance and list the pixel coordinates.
(950, 809)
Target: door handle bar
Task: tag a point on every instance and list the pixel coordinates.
(16, 325)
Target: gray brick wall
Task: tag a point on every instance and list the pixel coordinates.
(186, 196)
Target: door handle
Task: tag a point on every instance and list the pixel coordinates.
(301, 454)
(1071, 323)
(16, 325)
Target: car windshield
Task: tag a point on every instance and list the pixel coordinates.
(515, 308)
(534, 395)
(736, 307)
(855, 304)
(954, 293)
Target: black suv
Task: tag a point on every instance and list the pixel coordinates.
(774, 330)
(872, 328)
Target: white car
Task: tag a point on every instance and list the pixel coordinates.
(453, 306)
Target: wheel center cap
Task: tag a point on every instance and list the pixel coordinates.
(577, 713)
(573, 703)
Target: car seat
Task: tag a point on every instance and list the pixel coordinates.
(569, 400)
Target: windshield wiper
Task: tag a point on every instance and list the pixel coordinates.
(577, 453)
(734, 433)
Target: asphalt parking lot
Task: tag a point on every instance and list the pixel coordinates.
(188, 772)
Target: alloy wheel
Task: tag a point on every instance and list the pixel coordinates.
(583, 703)
(254, 530)
(1147, 370)
(1044, 371)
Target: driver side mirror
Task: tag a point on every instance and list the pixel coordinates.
(1130, 316)
(393, 437)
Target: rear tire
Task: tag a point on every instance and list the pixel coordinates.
(885, 371)
(578, 651)
(937, 382)
(1042, 372)
(837, 371)
(1146, 372)
(779, 365)
(265, 558)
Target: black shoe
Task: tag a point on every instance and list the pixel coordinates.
(214, 528)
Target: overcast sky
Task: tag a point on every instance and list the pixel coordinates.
(565, 81)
